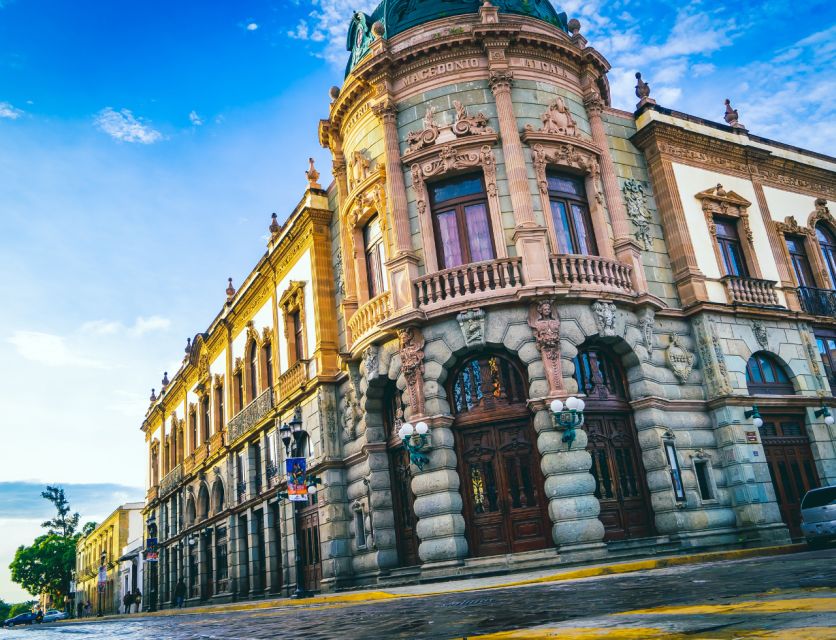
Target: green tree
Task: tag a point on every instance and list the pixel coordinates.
(88, 528)
(5, 607)
(63, 524)
(21, 607)
(46, 566)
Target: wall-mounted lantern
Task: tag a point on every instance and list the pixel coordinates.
(567, 417)
(415, 441)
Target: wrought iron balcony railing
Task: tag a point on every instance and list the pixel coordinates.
(171, 480)
(818, 302)
(250, 415)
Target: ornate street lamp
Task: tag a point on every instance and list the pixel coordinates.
(567, 417)
(415, 440)
(151, 548)
(753, 413)
(824, 411)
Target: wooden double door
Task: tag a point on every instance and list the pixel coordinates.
(620, 483)
(403, 500)
(308, 521)
(791, 464)
(505, 506)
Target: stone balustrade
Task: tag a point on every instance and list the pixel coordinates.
(171, 480)
(467, 281)
(250, 416)
(216, 442)
(750, 291)
(369, 315)
(593, 272)
(293, 378)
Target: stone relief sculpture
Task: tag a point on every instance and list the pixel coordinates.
(545, 325)
(646, 323)
(760, 334)
(339, 283)
(557, 119)
(679, 359)
(465, 124)
(472, 323)
(412, 367)
(713, 360)
(371, 360)
(349, 415)
(426, 136)
(637, 211)
(359, 168)
(604, 317)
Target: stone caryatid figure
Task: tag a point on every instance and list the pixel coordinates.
(545, 325)
(558, 119)
(412, 366)
(731, 116)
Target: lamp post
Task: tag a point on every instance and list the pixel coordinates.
(295, 440)
(753, 413)
(567, 416)
(415, 440)
(151, 558)
(102, 582)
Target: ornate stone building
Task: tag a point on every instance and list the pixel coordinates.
(497, 236)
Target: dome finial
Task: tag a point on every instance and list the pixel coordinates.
(230, 290)
(574, 26)
(731, 116)
(274, 224)
(642, 92)
(489, 13)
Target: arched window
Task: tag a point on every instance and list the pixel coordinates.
(268, 363)
(203, 502)
(827, 242)
(218, 496)
(484, 383)
(193, 429)
(190, 512)
(800, 262)
(252, 371)
(598, 374)
(205, 417)
(462, 225)
(764, 374)
(219, 407)
(239, 390)
(375, 257)
(570, 213)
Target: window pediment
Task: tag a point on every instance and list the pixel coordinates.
(294, 297)
(549, 150)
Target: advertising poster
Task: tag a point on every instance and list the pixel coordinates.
(297, 490)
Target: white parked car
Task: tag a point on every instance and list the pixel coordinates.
(818, 516)
(54, 614)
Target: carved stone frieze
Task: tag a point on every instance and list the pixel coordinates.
(759, 330)
(465, 124)
(339, 282)
(712, 358)
(637, 211)
(557, 119)
(604, 317)
(412, 366)
(371, 362)
(679, 359)
(545, 325)
(451, 159)
(427, 135)
(472, 323)
(647, 321)
(349, 415)
(564, 155)
(326, 406)
(718, 201)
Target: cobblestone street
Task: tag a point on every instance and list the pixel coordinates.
(791, 596)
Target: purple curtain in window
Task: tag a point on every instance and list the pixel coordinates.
(579, 216)
(478, 232)
(561, 228)
(450, 246)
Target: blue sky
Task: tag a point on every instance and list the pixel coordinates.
(144, 146)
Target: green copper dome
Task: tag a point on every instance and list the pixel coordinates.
(397, 16)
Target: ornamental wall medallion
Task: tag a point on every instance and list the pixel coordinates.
(412, 366)
(679, 359)
(465, 124)
(472, 323)
(637, 211)
(604, 317)
(371, 361)
(545, 325)
(759, 330)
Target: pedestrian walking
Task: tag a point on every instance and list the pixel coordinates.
(88, 609)
(137, 599)
(79, 609)
(180, 593)
(127, 601)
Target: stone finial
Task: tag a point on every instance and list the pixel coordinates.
(378, 29)
(574, 26)
(821, 207)
(643, 92)
(334, 93)
(274, 224)
(230, 290)
(153, 397)
(188, 345)
(731, 116)
(489, 13)
(165, 380)
(312, 175)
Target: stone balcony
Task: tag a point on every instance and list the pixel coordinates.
(292, 379)
(367, 317)
(152, 494)
(818, 302)
(217, 442)
(469, 283)
(171, 480)
(751, 291)
(250, 416)
(593, 273)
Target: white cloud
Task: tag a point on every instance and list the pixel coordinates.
(252, 26)
(123, 126)
(327, 26)
(50, 349)
(9, 112)
(195, 119)
(140, 327)
(146, 325)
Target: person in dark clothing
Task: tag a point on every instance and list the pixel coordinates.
(79, 609)
(180, 593)
(127, 601)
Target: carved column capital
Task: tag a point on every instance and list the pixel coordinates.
(386, 110)
(594, 104)
(500, 80)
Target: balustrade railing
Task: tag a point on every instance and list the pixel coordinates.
(818, 302)
(250, 415)
(594, 272)
(293, 378)
(369, 315)
(751, 291)
(490, 276)
(171, 480)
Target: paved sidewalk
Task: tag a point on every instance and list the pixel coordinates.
(475, 584)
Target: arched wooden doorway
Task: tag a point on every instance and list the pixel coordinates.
(403, 498)
(505, 506)
(784, 437)
(620, 481)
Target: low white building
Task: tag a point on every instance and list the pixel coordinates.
(131, 566)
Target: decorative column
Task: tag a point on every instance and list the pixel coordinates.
(627, 250)
(529, 237)
(253, 552)
(270, 559)
(403, 267)
(232, 553)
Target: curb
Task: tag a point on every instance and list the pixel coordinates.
(374, 596)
